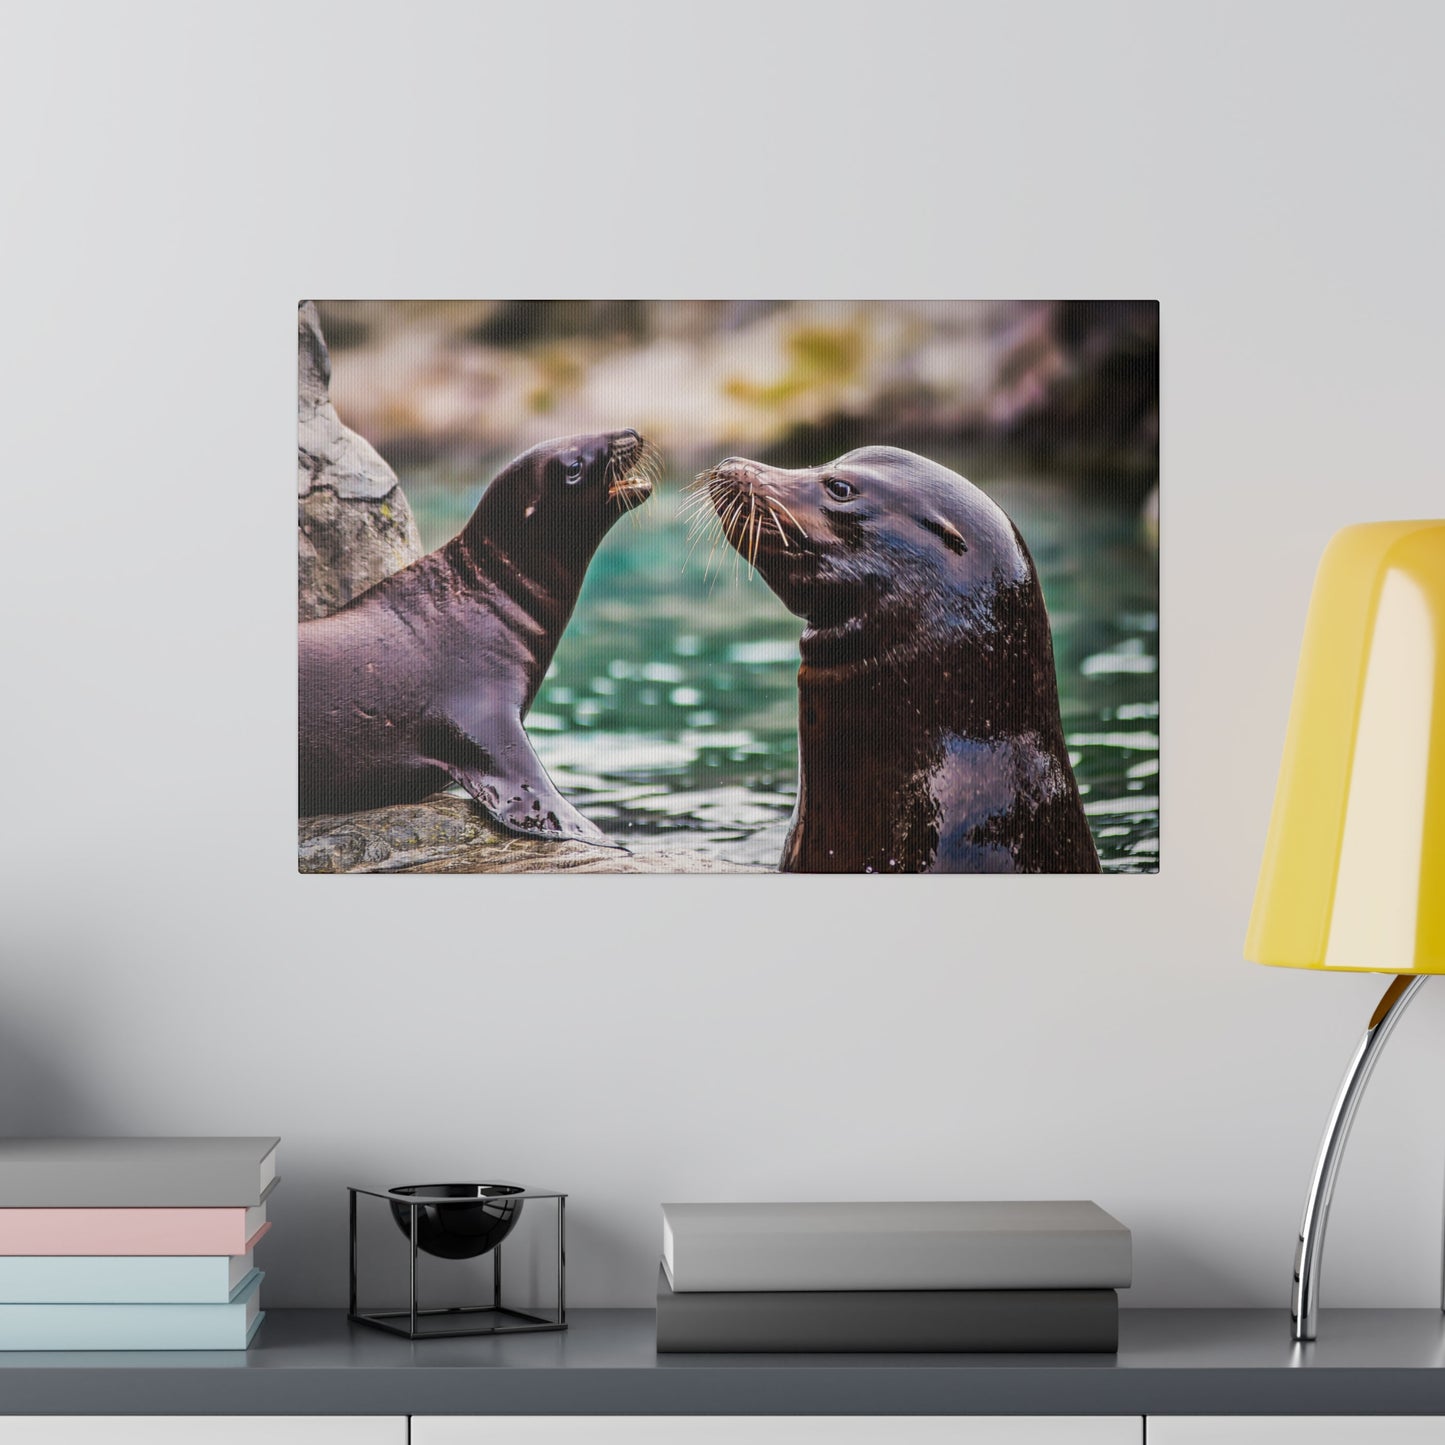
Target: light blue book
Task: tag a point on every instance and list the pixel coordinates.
(229, 1326)
(203, 1279)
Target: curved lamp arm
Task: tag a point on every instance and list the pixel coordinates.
(1304, 1298)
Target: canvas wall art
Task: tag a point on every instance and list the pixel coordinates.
(728, 586)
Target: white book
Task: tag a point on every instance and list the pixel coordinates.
(1027, 1244)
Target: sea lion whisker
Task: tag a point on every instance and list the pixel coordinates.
(742, 523)
(712, 552)
(706, 504)
(694, 542)
(730, 535)
(692, 547)
(704, 526)
(719, 535)
(697, 493)
(727, 519)
(802, 535)
(712, 586)
(733, 514)
(745, 535)
(731, 510)
(697, 502)
(693, 507)
(701, 524)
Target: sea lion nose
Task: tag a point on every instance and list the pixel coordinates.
(737, 472)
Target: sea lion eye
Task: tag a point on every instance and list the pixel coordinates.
(574, 472)
(838, 489)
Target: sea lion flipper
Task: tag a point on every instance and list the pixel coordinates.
(512, 786)
(532, 806)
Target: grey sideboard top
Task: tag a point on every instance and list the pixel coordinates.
(1191, 1362)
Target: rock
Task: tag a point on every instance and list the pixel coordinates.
(354, 523)
(444, 834)
(1078, 388)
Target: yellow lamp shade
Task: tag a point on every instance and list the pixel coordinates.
(1354, 866)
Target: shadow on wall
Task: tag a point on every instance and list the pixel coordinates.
(38, 1096)
(1171, 1267)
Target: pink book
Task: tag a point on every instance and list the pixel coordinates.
(131, 1231)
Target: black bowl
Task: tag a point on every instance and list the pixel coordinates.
(463, 1230)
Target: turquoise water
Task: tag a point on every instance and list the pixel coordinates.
(669, 714)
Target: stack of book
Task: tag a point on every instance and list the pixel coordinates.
(132, 1244)
(1030, 1276)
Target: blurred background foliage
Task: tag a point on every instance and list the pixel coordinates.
(670, 712)
(1057, 385)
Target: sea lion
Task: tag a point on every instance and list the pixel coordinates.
(929, 736)
(424, 679)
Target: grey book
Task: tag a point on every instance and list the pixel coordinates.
(934, 1321)
(1029, 1244)
(197, 1173)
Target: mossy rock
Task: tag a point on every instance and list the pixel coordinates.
(444, 834)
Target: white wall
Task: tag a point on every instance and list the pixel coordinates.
(176, 177)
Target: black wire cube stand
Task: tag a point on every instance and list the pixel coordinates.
(411, 1209)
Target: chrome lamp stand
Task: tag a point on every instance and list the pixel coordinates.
(1305, 1296)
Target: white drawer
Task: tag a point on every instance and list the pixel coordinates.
(202, 1430)
(776, 1430)
(1296, 1430)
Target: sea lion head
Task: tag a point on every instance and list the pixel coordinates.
(559, 499)
(879, 541)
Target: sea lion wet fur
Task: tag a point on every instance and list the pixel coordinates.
(929, 735)
(424, 680)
